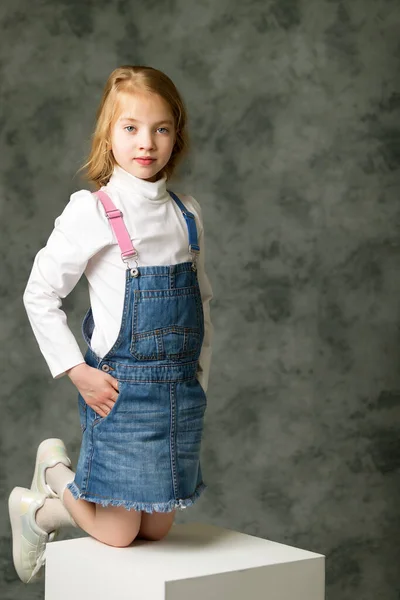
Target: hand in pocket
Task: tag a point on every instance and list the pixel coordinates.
(98, 389)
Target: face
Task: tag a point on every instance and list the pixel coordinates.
(144, 127)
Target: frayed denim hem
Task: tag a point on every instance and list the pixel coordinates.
(147, 507)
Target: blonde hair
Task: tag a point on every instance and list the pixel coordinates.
(133, 79)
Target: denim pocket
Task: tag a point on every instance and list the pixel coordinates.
(82, 407)
(167, 324)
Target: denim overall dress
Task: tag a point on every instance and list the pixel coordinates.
(145, 454)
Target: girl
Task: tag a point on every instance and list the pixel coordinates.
(143, 380)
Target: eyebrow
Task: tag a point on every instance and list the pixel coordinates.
(136, 121)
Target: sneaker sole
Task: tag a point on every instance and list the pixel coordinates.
(15, 529)
(15, 520)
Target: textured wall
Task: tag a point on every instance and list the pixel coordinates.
(294, 109)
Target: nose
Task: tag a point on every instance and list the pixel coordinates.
(146, 139)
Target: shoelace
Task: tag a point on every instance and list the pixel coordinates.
(41, 559)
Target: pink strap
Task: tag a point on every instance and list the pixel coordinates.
(118, 225)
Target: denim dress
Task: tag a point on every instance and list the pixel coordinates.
(145, 454)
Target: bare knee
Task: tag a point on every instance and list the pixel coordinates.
(116, 526)
(155, 526)
(117, 536)
(118, 539)
(152, 536)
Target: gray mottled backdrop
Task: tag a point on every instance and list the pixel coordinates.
(294, 112)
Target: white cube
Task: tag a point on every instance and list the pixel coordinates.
(195, 560)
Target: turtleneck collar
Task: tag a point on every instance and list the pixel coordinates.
(153, 191)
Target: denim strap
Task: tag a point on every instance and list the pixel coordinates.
(191, 224)
(122, 235)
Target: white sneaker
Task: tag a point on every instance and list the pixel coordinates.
(49, 453)
(28, 539)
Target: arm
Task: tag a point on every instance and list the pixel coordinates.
(56, 270)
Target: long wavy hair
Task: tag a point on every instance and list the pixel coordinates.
(133, 79)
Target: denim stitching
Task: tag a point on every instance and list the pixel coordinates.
(140, 295)
(172, 437)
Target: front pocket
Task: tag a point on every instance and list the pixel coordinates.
(167, 324)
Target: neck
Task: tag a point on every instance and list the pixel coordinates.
(151, 190)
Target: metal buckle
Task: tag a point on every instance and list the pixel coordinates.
(134, 270)
(194, 252)
(110, 214)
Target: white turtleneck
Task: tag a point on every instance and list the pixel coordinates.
(83, 242)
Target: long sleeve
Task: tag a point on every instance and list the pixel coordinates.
(203, 372)
(73, 248)
(56, 270)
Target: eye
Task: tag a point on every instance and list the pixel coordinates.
(129, 128)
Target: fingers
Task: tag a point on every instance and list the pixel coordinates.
(107, 405)
(103, 409)
(100, 411)
(101, 392)
(113, 381)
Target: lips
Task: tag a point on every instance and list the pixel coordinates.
(145, 161)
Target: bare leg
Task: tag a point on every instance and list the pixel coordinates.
(112, 525)
(155, 526)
